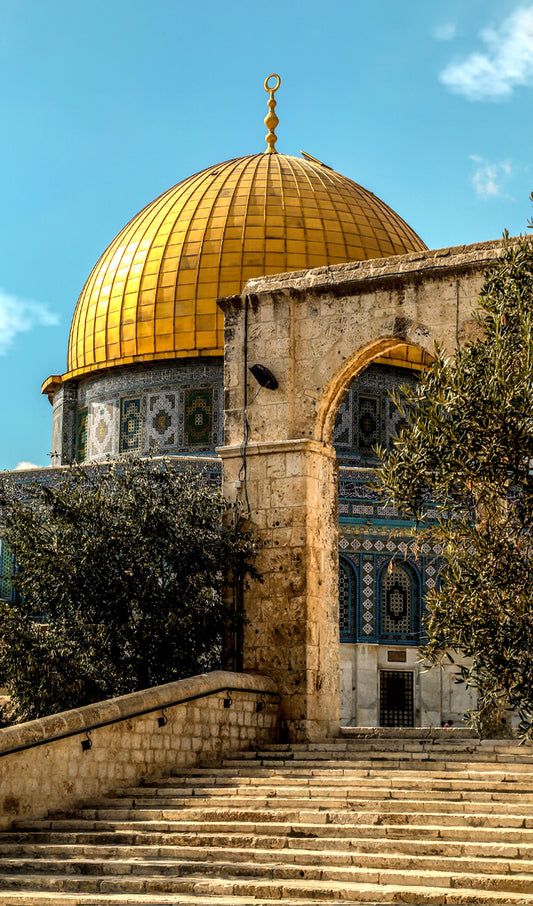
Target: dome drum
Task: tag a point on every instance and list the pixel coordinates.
(171, 409)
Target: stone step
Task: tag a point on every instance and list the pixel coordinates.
(392, 761)
(417, 733)
(384, 819)
(317, 865)
(66, 899)
(418, 739)
(379, 829)
(328, 816)
(255, 767)
(394, 778)
(413, 803)
(392, 773)
(445, 739)
(340, 851)
(409, 843)
(372, 781)
(485, 749)
(392, 885)
(336, 787)
(92, 873)
(372, 896)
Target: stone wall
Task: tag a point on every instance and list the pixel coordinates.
(437, 694)
(51, 774)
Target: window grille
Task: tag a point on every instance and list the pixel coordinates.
(396, 698)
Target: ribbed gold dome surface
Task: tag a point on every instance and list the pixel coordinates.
(152, 293)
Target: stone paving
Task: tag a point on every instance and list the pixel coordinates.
(420, 817)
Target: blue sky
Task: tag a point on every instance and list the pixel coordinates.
(104, 105)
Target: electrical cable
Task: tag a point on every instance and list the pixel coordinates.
(246, 426)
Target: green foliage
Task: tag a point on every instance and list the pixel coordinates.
(120, 573)
(467, 444)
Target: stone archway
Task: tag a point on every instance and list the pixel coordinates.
(403, 351)
(316, 332)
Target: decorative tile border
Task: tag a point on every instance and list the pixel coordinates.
(102, 429)
(162, 420)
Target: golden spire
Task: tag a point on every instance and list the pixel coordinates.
(271, 120)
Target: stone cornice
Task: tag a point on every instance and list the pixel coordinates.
(263, 448)
(356, 276)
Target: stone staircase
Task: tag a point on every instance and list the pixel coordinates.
(377, 816)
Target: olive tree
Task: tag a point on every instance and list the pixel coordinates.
(467, 447)
(118, 582)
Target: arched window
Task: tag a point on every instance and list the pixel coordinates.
(347, 600)
(399, 600)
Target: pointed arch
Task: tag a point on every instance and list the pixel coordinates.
(386, 350)
(399, 600)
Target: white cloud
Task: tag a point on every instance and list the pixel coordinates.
(490, 178)
(446, 31)
(22, 466)
(506, 62)
(19, 315)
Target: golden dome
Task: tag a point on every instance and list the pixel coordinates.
(152, 295)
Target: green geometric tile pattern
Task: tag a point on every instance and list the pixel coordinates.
(6, 568)
(82, 436)
(131, 426)
(198, 417)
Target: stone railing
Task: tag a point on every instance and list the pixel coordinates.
(56, 761)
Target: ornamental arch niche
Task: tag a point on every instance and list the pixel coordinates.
(316, 331)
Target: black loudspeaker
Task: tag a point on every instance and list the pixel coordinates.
(264, 377)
